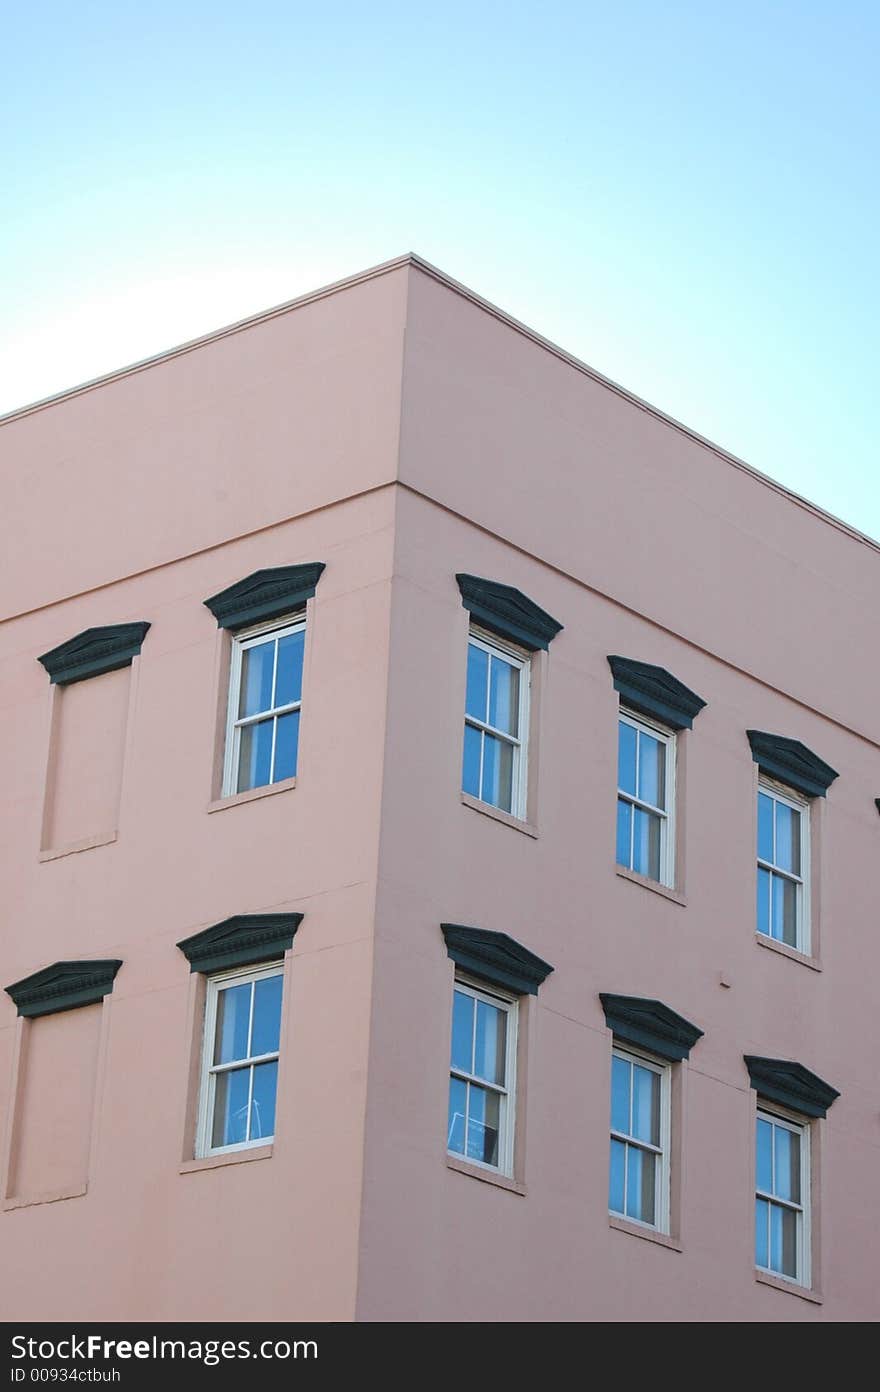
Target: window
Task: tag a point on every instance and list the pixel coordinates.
(265, 695)
(481, 1083)
(645, 798)
(240, 1060)
(783, 858)
(639, 1170)
(496, 725)
(781, 1202)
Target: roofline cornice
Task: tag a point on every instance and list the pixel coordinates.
(412, 259)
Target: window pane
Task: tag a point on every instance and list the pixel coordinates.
(455, 1124)
(263, 1101)
(470, 773)
(489, 1055)
(267, 1016)
(763, 901)
(620, 1084)
(762, 1233)
(231, 1107)
(497, 773)
(764, 1159)
(476, 698)
(640, 1186)
(626, 758)
(789, 1242)
(504, 696)
(783, 1240)
(646, 843)
(286, 746)
(616, 1178)
(257, 666)
(787, 1168)
(255, 755)
(233, 1020)
(482, 1130)
(652, 770)
(765, 827)
(788, 838)
(462, 1031)
(288, 678)
(624, 823)
(646, 1105)
(785, 910)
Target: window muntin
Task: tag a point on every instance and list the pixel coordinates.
(645, 798)
(783, 860)
(240, 1060)
(265, 696)
(638, 1187)
(782, 1185)
(481, 1082)
(496, 725)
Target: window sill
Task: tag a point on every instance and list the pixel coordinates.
(655, 887)
(649, 1234)
(790, 952)
(498, 816)
(87, 844)
(28, 1201)
(252, 794)
(233, 1157)
(477, 1172)
(766, 1278)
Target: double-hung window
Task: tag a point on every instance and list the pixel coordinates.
(265, 696)
(783, 860)
(240, 1060)
(482, 1077)
(639, 1170)
(782, 1189)
(645, 798)
(496, 724)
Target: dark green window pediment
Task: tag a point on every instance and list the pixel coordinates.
(507, 612)
(93, 652)
(651, 1024)
(265, 595)
(64, 986)
(655, 692)
(783, 1080)
(496, 958)
(791, 762)
(241, 941)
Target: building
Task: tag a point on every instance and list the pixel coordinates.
(392, 516)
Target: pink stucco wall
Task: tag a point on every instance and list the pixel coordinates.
(400, 432)
(644, 542)
(137, 500)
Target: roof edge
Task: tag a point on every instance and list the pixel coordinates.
(212, 336)
(411, 258)
(818, 512)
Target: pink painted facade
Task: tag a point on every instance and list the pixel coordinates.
(400, 431)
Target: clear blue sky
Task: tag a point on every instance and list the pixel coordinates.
(683, 194)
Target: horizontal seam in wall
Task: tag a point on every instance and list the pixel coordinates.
(637, 613)
(487, 531)
(200, 551)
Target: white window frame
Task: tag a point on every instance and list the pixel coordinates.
(780, 793)
(208, 1070)
(250, 638)
(662, 1176)
(507, 1107)
(519, 775)
(801, 1128)
(666, 737)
